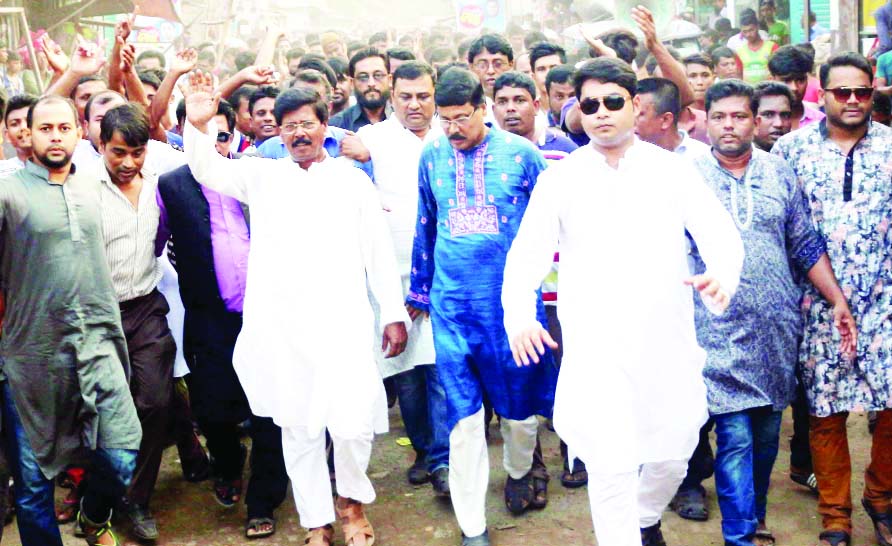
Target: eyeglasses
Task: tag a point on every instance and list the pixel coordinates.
(843, 94)
(613, 103)
(461, 122)
(364, 78)
(496, 64)
(223, 136)
(291, 128)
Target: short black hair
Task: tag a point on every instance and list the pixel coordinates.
(650, 64)
(722, 24)
(295, 99)
(698, 58)
(808, 48)
(846, 58)
(400, 54)
(339, 66)
(377, 37)
(130, 120)
(17, 102)
(606, 70)
(223, 109)
(242, 93)
(440, 54)
(544, 49)
(770, 89)
(533, 37)
(494, 43)
(312, 77)
(295, 53)
(748, 19)
(720, 53)
(244, 59)
(366, 53)
(207, 55)
(560, 74)
(457, 87)
(622, 41)
(264, 92)
(152, 54)
(790, 61)
(149, 78)
(463, 47)
(50, 98)
(317, 62)
(730, 88)
(666, 97)
(181, 111)
(412, 70)
(882, 103)
(89, 78)
(515, 79)
(104, 97)
(442, 69)
(354, 46)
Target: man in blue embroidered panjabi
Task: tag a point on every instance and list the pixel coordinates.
(474, 186)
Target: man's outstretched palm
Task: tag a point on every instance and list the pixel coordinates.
(201, 101)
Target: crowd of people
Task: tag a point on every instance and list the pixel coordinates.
(286, 242)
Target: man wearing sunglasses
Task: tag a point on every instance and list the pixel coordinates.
(314, 369)
(210, 233)
(371, 87)
(844, 165)
(630, 398)
(474, 185)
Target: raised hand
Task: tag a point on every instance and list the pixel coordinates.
(645, 21)
(201, 101)
(260, 75)
(55, 57)
(184, 61)
(87, 60)
(128, 55)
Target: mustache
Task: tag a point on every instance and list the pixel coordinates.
(301, 140)
(456, 137)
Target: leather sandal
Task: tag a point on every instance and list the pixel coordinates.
(539, 479)
(97, 534)
(835, 538)
(357, 529)
(519, 494)
(320, 536)
(882, 523)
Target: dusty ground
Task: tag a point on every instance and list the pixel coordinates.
(407, 516)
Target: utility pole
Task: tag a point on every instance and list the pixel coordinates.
(847, 38)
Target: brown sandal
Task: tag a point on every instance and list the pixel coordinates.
(320, 536)
(357, 529)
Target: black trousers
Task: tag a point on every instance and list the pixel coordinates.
(152, 351)
(702, 463)
(800, 451)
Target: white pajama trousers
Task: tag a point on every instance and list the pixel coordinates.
(469, 465)
(623, 504)
(308, 470)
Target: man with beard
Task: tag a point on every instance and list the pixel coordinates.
(791, 66)
(844, 164)
(371, 86)
(473, 190)
(343, 91)
(773, 104)
(752, 349)
(64, 354)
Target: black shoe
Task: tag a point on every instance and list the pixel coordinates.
(440, 482)
(143, 522)
(652, 536)
(479, 540)
(690, 503)
(417, 473)
(518, 494)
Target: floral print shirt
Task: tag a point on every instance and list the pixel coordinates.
(850, 196)
(751, 349)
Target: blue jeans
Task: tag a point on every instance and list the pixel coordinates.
(423, 406)
(108, 479)
(746, 447)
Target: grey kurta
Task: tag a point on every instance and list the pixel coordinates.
(63, 349)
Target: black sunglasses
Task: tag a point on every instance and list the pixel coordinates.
(843, 94)
(223, 136)
(611, 102)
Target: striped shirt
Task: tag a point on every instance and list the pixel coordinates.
(129, 235)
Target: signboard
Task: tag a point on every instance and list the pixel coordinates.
(472, 16)
(867, 9)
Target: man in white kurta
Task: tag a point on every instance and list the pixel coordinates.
(304, 358)
(394, 148)
(630, 398)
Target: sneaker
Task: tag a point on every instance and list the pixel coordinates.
(652, 536)
(479, 540)
(440, 482)
(143, 522)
